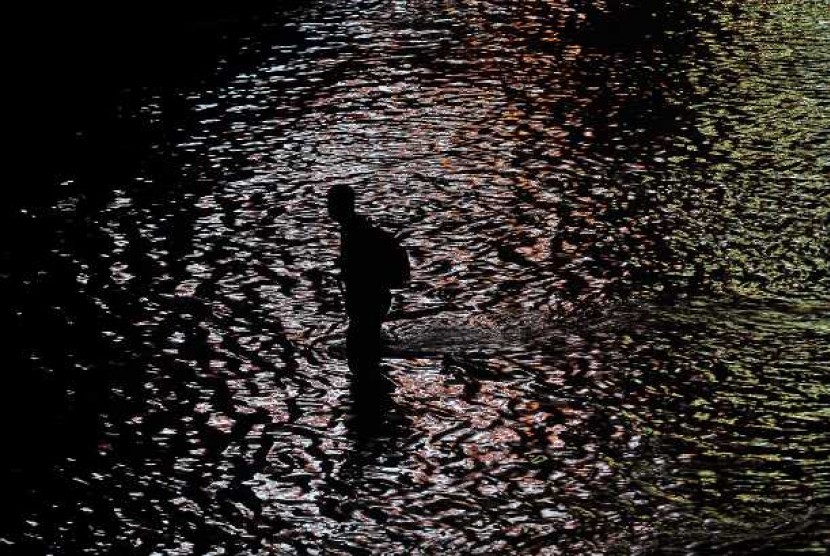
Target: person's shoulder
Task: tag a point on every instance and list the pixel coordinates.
(363, 222)
(365, 225)
(385, 236)
(359, 225)
(363, 232)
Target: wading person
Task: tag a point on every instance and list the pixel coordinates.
(372, 263)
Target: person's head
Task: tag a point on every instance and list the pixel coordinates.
(341, 202)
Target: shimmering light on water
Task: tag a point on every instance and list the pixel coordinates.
(615, 341)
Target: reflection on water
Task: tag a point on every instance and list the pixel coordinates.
(617, 327)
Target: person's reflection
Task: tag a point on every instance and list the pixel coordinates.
(372, 262)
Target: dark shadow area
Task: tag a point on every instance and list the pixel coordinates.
(73, 62)
(76, 73)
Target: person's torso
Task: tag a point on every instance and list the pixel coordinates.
(363, 262)
(363, 259)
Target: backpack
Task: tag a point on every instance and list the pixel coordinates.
(394, 259)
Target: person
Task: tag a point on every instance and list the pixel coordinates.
(372, 262)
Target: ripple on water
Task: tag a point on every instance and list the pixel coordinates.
(616, 331)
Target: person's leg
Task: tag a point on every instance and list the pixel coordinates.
(363, 345)
(370, 389)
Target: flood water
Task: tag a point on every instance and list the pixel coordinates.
(617, 335)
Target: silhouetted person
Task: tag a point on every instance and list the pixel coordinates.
(372, 262)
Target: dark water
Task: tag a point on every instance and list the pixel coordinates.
(616, 334)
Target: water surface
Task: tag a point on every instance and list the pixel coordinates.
(617, 328)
